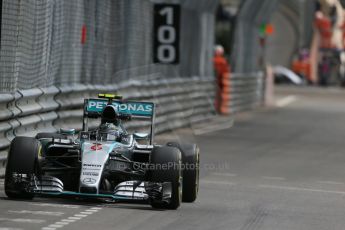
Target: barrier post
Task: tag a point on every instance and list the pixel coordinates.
(225, 94)
(269, 87)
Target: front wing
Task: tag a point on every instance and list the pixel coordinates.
(125, 191)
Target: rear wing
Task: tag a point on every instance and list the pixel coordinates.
(93, 108)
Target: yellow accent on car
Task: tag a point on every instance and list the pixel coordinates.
(40, 151)
(109, 96)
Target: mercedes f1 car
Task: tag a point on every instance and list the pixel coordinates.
(106, 162)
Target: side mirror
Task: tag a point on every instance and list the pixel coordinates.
(67, 131)
(141, 136)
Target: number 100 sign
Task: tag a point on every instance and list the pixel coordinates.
(166, 33)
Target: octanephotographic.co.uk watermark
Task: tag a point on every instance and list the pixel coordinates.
(222, 166)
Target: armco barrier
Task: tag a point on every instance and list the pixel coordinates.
(27, 125)
(180, 102)
(11, 106)
(246, 91)
(3, 156)
(46, 124)
(5, 112)
(4, 141)
(28, 102)
(47, 99)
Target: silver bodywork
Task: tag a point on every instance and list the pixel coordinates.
(94, 157)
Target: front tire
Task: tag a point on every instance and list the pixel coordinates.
(190, 162)
(166, 163)
(22, 159)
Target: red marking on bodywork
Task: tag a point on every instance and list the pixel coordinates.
(96, 147)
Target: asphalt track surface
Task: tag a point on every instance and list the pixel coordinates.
(281, 168)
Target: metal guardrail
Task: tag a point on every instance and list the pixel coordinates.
(180, 102)
(47, 109)
(246, 91)
(5, 112)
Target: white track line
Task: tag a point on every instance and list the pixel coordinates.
(91, 210)
(286, 101)
(72, 219)
(55, 205)
(80, 215)
(331, 182)
(62, 223)
(298, 189)
(44, 213)
(87, 213)
(20, 220)
(75, 218)
(68, 220)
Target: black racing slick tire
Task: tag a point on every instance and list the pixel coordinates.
(166, 162)
(22, 159)
(190, 170)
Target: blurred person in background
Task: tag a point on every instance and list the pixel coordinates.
(222, 69)
(301, 65)
(329, 32)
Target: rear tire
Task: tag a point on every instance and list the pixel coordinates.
(22, 158)
(190, 162)
(161, 156)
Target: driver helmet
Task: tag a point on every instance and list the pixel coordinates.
(109, 131)
(110, 114)
(108, 127)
